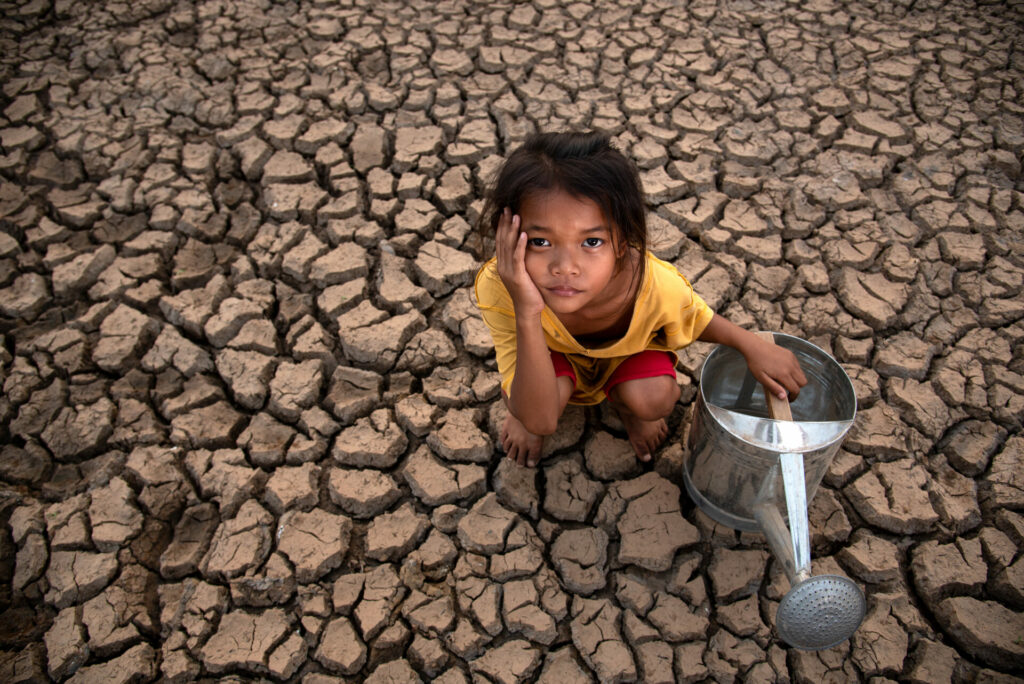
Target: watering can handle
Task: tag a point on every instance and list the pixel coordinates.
(777, 408)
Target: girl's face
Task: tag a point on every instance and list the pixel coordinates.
(571, 254)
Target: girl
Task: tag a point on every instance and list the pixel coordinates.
(579, 309)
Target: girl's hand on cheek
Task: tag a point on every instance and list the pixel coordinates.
(510, 246)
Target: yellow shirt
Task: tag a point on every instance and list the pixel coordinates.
(668, 315)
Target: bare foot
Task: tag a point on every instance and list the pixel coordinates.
(644, 435)
(521, 445)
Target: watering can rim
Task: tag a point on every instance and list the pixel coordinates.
(730, 420)
(795, 437)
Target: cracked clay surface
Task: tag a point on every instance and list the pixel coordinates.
(248, 428)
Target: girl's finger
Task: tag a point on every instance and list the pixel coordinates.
(520, 252)
(773, 387)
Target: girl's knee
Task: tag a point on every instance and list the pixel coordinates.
(648, 398)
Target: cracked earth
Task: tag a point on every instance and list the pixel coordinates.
(249, 410)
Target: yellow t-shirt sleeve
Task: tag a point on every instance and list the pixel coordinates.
(682, 312)
(499, 316)
(694, 316)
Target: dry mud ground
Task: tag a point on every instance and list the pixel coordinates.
(249, 409)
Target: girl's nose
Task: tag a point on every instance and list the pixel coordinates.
(564, 263)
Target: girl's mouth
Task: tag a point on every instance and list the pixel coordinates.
(563, 291)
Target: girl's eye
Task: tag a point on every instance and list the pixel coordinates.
(537, 242)
(593, 242)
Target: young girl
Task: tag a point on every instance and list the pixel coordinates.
(579, 309)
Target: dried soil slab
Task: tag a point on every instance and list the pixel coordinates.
(736, 573)
(293, 487)
(609, 458)
(266, 441)
(30, 561)
(75, 576)
(363, 493)
(393, 535)
(42, 406)
(436, 483)
(460, 440)
(240, 544)
(581, 558)
(878, 431)
(561, 666)
(65, 643)
(137, 664)
(353, 393)
(904, 355)
(191, 541)
(374, 442)
(943, 570)
(393, 672)
(400, 294)
(382, 590)
(870, 558)
(244, 640)
(441, 268)
(77, 275)
(295, 388)
(225, 476)
(209, 427)
(570, 494)
(523, 557)
(879, 646)
(123, 335)
(165, 488)
(986, 629)
(871, 297)
(113, 516)
(76, 432)
(315, 542)
(378, 342)
(516, 487)
(247, 374)
(921, 406)
(1003, 486)
(26, 298)
(645, 514)
(25, 665)
(416, 415)
(431, 617)
(892, 496)
(511, 663)
(596, 635)
(486, 526)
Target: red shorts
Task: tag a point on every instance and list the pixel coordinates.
(649, 363)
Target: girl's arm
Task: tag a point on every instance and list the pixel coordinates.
(773, 366)
(536, 398)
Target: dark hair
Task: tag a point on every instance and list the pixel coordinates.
(581, 164)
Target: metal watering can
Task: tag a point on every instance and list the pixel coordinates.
(753, 461)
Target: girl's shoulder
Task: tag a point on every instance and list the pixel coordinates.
(667, 286)
(663, 274)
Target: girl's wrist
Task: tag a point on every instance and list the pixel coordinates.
(527, 311)
(528, 323)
